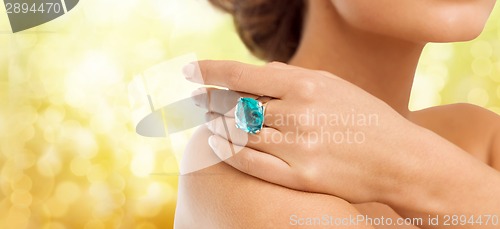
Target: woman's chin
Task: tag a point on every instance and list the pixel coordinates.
(455, 36)
(457, 31)
(454, 27)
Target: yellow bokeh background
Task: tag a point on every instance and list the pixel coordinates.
(69, 154)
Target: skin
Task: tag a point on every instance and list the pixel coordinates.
(364, 53)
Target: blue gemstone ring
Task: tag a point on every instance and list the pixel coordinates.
(249, 114)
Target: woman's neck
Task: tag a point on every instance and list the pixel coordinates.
(382, 66)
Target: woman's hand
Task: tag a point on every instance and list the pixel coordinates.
(321, 133)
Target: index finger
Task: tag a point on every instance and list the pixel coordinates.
(241, 77)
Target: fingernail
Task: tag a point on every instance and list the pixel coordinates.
(212, 142)
(189, 71)
(197, 96)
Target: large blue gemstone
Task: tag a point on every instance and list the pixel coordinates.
(249, 115)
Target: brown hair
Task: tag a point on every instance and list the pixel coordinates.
(270, 29)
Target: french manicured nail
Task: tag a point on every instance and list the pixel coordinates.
(212, 142)
(197, 96)
(191, 73)
(222, 151)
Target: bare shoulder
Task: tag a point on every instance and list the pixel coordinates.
(468, 126)
(220, 196)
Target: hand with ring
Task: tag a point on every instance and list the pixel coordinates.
(319, 133)
(313, 131)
